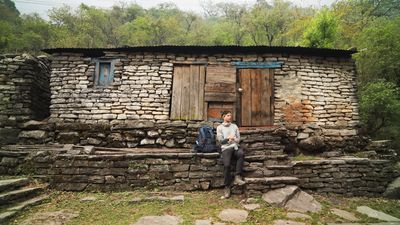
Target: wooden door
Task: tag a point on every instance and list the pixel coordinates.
(256, 98)
(188, 92)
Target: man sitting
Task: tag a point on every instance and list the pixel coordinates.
(228, 136)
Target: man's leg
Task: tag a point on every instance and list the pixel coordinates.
(226, 159)
(239, 155)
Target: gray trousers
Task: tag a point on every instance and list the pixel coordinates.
(227, 156)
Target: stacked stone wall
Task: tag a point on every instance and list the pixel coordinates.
(24, 93)
(74, 171)
(308, 89)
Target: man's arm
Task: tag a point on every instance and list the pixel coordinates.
(220, 136)
(237, 134)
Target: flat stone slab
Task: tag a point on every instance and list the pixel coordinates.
(344, 214)
(178, 198)
(287, 222)
(303, 202)
(280, 196)
(251, 207)
(158, 220)
(295, 215)
(233, 215)
(88, 199)
(377, 214)
(51, 218)
(202, 222)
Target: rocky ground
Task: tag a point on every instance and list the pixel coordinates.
(289, 206)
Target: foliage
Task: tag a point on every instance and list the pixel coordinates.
(379, 53)
(379, 104)
(322, 31)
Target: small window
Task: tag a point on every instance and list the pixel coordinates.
(104, 74)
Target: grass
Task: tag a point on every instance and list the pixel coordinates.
(302, 157)
(116, 208)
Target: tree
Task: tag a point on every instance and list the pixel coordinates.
(379, 105)
(268, 24)
(8, 11)
(379, 51)
(322, 31)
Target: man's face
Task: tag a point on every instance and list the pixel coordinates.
(228, 117)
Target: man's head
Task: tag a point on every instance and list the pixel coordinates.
(227, 116)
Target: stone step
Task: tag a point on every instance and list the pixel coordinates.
(258, 186)
(272, 180)
(10, 212)
(18, 195)
(260, 158)
(12, 184)
(280, 167)
(264, 152)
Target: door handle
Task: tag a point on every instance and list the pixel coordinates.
(240, 90)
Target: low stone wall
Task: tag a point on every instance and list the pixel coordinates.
(176, 134)
(73, 170)
(24, 93)
(347, 176)
(169, 171)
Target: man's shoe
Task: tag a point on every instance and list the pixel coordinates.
(227, 193)
(238, 181)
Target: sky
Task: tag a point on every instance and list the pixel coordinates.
(42, 6)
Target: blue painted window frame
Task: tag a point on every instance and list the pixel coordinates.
(258, 65)
(101, 79)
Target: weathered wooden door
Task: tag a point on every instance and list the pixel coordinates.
(256, 97)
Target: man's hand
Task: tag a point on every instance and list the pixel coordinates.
(231, 138)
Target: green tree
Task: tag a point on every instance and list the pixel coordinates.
(379, 51)
(8, 11)
(322, 31)
(379, 105)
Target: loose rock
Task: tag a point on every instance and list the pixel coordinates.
(376, 214)
(233, 215)
(158, 220)
(344, 214)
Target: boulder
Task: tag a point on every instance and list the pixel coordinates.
(393, 190)
(312, 144)
(280, 196)
(303, 202)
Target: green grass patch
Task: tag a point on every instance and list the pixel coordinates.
(117, 208)
(302, 157)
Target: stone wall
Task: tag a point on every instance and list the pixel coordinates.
(24, 93)
(346, 176)
(139, 133)
(82, 168)
(308, 90)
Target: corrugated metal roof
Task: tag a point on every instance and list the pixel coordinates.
(195, 49)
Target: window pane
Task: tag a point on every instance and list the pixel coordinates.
(104, 74)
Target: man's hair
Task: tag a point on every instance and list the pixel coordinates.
(223, 113)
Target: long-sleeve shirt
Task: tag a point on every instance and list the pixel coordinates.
(224, 131)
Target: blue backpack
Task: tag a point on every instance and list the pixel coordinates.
(205, 141)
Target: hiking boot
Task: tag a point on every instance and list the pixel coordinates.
(227, 193)
(239, 181)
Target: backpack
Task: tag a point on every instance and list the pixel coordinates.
(205, 141)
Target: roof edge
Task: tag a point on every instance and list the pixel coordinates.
(196, 49)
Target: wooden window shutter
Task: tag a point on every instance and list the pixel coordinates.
(188, 92)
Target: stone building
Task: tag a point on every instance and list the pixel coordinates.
(24, 93)
(310, 91)
(159, 96)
